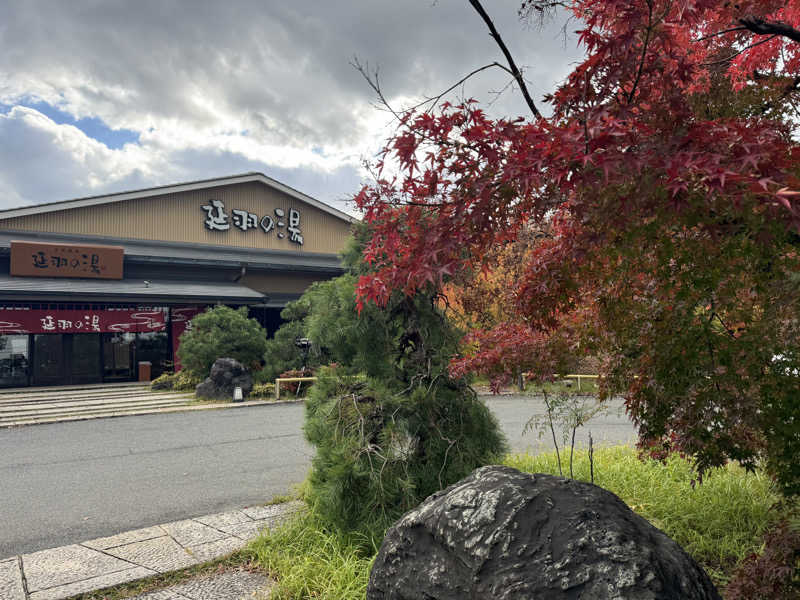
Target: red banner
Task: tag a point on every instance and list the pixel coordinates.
(81, 321)
(181, 321)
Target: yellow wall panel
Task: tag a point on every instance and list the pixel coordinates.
(283, 283)
(179, 218)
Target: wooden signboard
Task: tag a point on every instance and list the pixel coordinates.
(39, 259)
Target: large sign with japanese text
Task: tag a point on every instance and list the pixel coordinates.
(39, 259)
(81, 321)
(278, 223)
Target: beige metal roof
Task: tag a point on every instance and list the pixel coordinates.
(174, 188)
(126, 289)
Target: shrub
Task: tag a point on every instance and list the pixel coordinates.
(293, 386)
(263, 390)
(282, 354)
(379, 453)
(185, 381)
(774, 574)
(165, 381)
(389, 425)
(182, 381)
(221, 332)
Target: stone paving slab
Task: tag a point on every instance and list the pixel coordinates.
(222, 520)
(234, 585)
(212, 550)
(245, 531)
(93, 583)
(11, 580)
(161, 595)
(59, 573)
(137, 535)
(162, 554)
(259, 513)
(192, 533)
(68, 564)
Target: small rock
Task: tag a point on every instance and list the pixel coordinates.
(226, 374)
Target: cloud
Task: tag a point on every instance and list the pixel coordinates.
(242, 83)
(45, 161)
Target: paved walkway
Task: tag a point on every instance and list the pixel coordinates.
(63, 572)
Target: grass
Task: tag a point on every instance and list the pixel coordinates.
(296, 492)
(311, 562)
(718, 522)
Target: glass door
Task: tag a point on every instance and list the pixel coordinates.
(118, 349)
(64, 359)
(154, 347)
(49, 366)
(13, 360)
(85, 358)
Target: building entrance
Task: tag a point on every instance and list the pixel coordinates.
(65, 358)
(49, 362)
(72, 346)
(118, 356)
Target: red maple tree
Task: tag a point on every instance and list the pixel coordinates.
(668, 176)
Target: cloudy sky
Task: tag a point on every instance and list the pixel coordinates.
(100, 96)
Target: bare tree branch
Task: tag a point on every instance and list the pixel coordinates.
(735, 54)
(762, 27)
(644, 50)
(373, 81)
(512, 65)
(540, 10)
(759, 27)
(718, 33)
(372, 77)
(435, 99)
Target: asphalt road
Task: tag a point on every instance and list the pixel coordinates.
(69, 482)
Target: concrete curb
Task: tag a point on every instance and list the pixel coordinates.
(60, 573)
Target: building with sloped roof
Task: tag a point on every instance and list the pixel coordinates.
(91, 287)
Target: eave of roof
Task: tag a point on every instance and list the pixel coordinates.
(172, 189)
(126, 289)
(175, 253)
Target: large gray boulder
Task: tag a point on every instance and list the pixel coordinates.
(502, 534)
(226, 374)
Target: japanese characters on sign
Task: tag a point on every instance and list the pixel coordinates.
(77, 321)
(39, 259)
(84, 323)
(219, 220)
